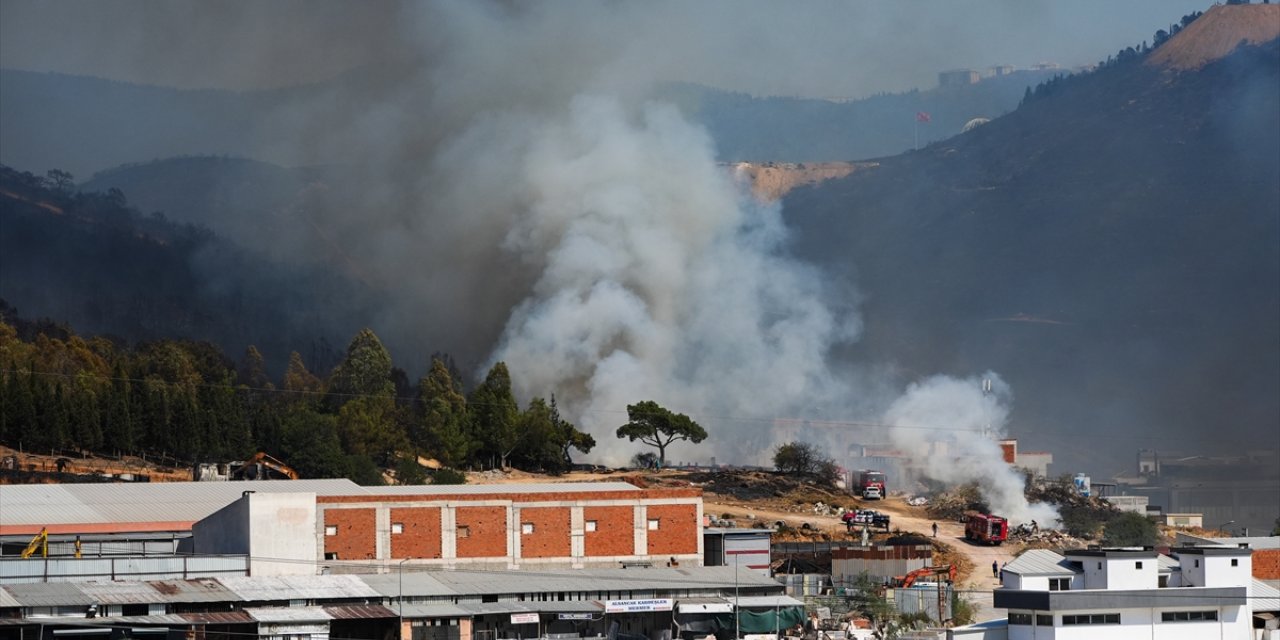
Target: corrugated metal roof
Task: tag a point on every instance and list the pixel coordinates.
(163, 618)
(566, 606)
(528, 487)
(359, 612)
(435, 610)
(1265, 597)
(1167, 564)
(756, 602)
(218, 617)
(410, 583)
(491, 608)
(7, 600)
(108, 503)
(288, 614)
(265, 588)
(121, 592)
(49, 594)
(1040, 562)
(199, 590)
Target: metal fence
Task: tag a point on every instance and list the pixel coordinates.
(17, 570)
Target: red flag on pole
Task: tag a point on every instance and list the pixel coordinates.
(921, 116)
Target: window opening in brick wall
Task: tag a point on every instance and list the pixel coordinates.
(526, 528)
(1059, 584)
(1016, 618)
(1043, 620)
(1235, 562)
(591, 525)
(1137, 565)
(397, 527)
(464, 531)
(331, 529)
(653, 524)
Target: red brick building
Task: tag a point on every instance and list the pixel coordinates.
(513, 526)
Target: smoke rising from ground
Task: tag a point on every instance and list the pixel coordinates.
(527, 202)
(950, 427)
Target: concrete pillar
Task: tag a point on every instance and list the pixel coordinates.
(382, 533)
(577, 536)
(448, 534)
(641, 519)
(513, 537)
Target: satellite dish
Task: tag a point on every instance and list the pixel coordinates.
(974, 123)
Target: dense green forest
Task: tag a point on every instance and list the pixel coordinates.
(186, 401)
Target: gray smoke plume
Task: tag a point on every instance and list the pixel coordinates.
(950, 428)
(526, 200)
(659, 277)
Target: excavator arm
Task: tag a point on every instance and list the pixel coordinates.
(39, 543)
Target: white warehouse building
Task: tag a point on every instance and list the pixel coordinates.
(1197, 593)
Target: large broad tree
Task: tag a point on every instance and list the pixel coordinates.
(659, 427)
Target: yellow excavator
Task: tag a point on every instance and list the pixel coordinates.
(39, 543)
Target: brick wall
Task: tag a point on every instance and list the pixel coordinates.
(1266, 564)
(356, 538)
(486, 532)
(677, 530)
(421, 536)
(550, 537)
(614, 534)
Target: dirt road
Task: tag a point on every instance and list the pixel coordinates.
(976, 587)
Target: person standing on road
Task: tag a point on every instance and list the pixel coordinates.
(995, 569)
(935, 529)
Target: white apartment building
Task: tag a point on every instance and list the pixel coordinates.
(1197, 593)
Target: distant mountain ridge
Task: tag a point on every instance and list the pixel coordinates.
(1111, 248)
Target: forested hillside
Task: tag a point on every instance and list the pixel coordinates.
(184, 402)
(91, 260)
(1110, 248)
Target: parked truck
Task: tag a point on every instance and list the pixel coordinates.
(869, 484)
(985, 528)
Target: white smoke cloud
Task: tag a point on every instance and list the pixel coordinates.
(950, 428)
(661, 279)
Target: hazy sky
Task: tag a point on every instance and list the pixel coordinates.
(811, 48)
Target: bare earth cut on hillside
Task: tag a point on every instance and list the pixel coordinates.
(1217, 33)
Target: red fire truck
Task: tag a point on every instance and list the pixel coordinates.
(868, 484)
(985, 528)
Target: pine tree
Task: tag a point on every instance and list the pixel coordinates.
(443, 423)
(494, 413)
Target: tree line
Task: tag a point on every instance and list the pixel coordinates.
(186, 401)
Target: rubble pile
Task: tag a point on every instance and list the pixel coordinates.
(1044, 538)
(952, 504)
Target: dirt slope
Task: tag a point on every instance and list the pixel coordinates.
(1216, 33)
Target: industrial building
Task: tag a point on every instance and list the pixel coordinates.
(409, 603)
(289, 527)
(313, 559)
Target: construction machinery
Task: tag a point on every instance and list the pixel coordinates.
(262, 466)
(259, 466)
(947, 570)
(39, 543)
